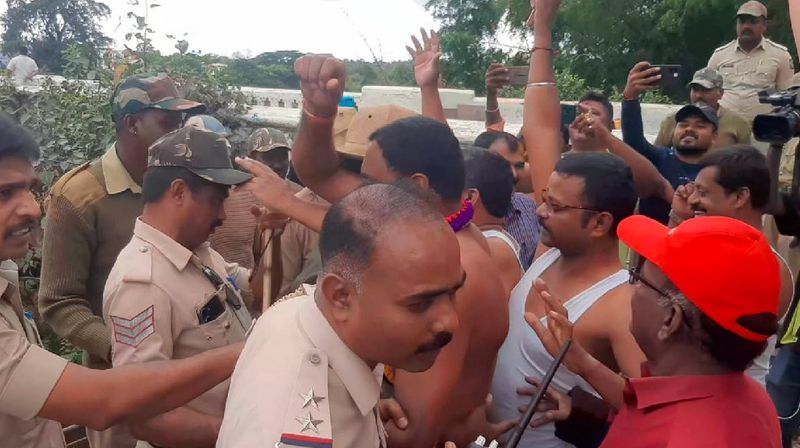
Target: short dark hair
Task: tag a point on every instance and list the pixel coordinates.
(742, 166)
(157, 180)
(16, 141)
(491, 175)
(726, 347)
(601, 98)
(425, 146)
(608, 181)
(487, 139)
(351, 226)
(23, 50)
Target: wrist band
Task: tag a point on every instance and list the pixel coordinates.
(541, 84)
(551, 50)
(493, 111)
(316, 118)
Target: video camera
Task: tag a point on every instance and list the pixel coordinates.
(782, 124)
(777, 128)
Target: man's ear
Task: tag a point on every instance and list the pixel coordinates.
(339, 295)
(421, 181)
(672, 323)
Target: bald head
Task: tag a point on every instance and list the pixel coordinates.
(352, 225)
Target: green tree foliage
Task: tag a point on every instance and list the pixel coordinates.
(602, 39)
(466, 24)
(49, 27)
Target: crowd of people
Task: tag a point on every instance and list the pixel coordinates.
(377, 283)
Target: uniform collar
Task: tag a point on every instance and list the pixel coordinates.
(171, 249)
(759, 46)
(643, 393)
(116, 176)
(363, 384)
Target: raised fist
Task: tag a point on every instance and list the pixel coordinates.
(322, 81)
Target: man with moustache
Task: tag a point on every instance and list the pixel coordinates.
(169, 295)
(751, 63)
(695, 133)
(310, 374)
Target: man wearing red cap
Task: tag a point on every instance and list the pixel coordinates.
(704, 305)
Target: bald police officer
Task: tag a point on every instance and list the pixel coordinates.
(310, 374)
(36, 385)
(169, 295)
(751, 63)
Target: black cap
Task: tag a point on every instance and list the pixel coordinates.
(698, 110)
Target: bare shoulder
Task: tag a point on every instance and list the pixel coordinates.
(612, 311)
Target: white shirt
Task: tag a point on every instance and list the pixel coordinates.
(21, 67)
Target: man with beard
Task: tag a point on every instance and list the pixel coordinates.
(695, 133)
(706, 88)
(169, 295)
(310, 374)
(751, 63)
(427, 153)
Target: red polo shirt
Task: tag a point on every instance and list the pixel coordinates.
(725, 411)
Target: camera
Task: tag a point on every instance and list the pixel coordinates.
(782, 124)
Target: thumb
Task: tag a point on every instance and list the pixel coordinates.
(332, 86)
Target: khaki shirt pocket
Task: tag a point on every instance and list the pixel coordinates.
(766, 73)
(213, 333)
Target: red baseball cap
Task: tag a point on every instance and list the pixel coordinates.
(725, 267)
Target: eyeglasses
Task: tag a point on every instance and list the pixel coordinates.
(636, 277)
(552, 208)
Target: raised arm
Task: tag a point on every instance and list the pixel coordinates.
(428, 72)
(649, 181)
(541, 127)
(794, 18)
(497, 77)
(641, 78)
(322, 81)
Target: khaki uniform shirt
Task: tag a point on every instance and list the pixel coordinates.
(299, 252)
(733, 130)
(297, 383)
(767, 66)
(155, 300)
(28, 373)
(90, 215)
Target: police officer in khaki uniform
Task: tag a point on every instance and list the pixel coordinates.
(169, 295)
(751, 63)
(707, 87)
(310, 374)
(36, 385)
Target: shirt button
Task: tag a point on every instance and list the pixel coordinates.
(314, 358)
(143, 249)
(227, 325)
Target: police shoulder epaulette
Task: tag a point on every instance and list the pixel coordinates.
(733, 42)
(139, 263)
(775, 44)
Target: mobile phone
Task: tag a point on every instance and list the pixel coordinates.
(518, 75)
(568, 114)
(670, 75)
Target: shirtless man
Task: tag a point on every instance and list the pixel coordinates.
(490, 184)
(582, 198)
(427, 153)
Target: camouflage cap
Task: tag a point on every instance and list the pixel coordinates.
(208, 123)
(202, 152)
(266, 139)
(707, 78)
(753, 8)
(149, 91)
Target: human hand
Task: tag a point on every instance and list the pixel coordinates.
(543, 13)
(391, 411)
(591, 126)
(497, 77)
(427, 67)
(555, 406)
(558, 331)
(680, 201)
(322, 81)
(269, 189)
(641, 78)
(478, 423)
